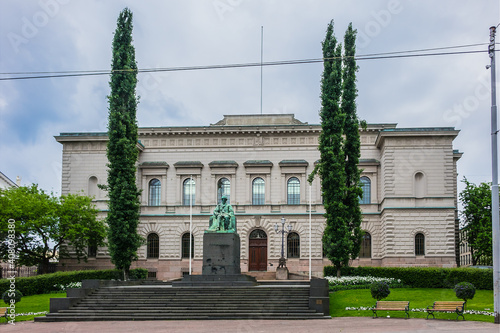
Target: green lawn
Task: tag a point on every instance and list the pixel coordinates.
(35, 303)
(419, 298)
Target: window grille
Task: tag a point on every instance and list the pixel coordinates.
(419, 244)
(293, 245)
(153, 246)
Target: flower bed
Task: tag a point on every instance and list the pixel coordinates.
(359, 282)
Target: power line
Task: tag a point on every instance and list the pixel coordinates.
(376, 56)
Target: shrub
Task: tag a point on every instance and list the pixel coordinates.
(9, 295)
(465, 290)
(138, 274)
(47, 283)
(423, 277)
(380, 290)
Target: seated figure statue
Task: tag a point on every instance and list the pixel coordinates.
(223, 218)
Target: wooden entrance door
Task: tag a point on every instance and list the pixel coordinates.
(257, 251)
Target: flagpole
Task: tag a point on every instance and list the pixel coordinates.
(190, 221)
(310, 231)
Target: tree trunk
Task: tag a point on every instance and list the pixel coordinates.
(44, 266)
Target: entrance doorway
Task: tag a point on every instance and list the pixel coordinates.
(257, 250)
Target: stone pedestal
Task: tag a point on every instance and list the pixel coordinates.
(221, 254)
(281, 273)
(221, 263)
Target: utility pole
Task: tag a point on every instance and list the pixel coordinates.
(494, 179)
(261, 59)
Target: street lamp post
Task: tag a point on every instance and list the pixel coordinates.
(282, 261)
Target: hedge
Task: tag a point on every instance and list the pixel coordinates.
(422, 277)
(46, 283)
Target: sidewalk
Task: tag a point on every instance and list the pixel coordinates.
(335, 325)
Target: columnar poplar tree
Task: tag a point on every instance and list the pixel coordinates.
(352, 142)
(339, 147)
(122, 152)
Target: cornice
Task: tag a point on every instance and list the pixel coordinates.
(415, 132)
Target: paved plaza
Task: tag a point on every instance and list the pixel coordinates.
(335, 325)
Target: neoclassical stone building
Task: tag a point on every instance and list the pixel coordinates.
(261, 162)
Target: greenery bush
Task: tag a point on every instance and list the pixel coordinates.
(7, 296)
(138, 274)
(47, 283)
(380, 290)
(423, 277)
(465, 290)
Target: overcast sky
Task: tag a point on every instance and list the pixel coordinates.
(76, 35)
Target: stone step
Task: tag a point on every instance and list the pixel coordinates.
(186, 308)
(180, 317)
(189, 300)
(200, 297)
(196, 310)
(163, 302)
(209, 312)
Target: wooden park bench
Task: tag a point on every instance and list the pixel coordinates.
(3, 313)
(442, 306)
(392, 306)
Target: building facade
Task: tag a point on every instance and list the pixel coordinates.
(261, 163)
(6, 183)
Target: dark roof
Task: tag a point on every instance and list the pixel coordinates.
(186, 164)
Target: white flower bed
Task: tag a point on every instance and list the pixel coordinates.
(31, 313)
(358, 280)
(69, 285)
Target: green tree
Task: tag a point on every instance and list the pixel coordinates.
(37, 227)
(352, 141)
(122, 151)
(476, 215)
(339, 150)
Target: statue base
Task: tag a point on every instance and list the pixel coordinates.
(221, 254)
(221, 263)
(281, 273)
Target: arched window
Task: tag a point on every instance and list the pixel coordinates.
(258, 234)
(93, 190)
(153, 246)
(188, 192)
(366, 246)
(293, 245)
(419, 185)
(185, 245)
(258, 191)
(223, 188)
(365, 183)
(154, 192)
(293, 191)
(419, 244)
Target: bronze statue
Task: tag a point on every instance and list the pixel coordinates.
(223, 219)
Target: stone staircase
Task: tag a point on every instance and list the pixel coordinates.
(161, 301)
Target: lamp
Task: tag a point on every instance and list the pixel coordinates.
(282, 261)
